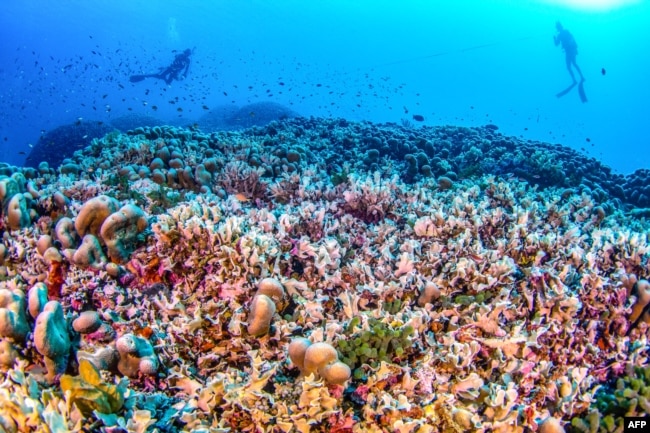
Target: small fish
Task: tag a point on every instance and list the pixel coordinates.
(418, 118)
(603, 71)
(241, 197)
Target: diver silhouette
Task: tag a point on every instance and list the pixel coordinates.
(570, 48)
(176, 71)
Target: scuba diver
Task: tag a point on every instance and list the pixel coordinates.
(570, 47)
(176, 71)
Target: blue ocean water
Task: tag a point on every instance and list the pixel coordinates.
(466, 62)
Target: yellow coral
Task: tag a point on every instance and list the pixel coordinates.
(89, 393)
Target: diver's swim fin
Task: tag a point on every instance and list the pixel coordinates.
(581, 91)
(565, 91)
(138, 78)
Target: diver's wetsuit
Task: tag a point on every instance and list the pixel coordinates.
(176, 71)
(570, 47)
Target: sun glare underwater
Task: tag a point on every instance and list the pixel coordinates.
(290, 216)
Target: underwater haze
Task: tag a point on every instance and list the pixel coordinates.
(464, 62)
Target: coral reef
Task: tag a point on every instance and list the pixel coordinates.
(136, 356)
(625, 396)
(51, 338)
(317, 275)
(318, 358)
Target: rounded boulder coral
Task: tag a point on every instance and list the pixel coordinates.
(120, 230)
(51, 338)
(319, 358)
(136, 355)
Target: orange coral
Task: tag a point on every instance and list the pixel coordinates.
(147, 273)
(55, 280)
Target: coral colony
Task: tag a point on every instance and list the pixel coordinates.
(323, 276)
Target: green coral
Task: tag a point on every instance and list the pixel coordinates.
(164, 198)
(122, 190)
(393, 306)
(340, 177)
(629, 396)
(380, 342)
(89, 393)
(467, 300)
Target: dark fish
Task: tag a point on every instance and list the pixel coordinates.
(205, 107)
(603, 71)
(418, 118)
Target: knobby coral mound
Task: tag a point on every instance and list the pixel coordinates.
(175, 278)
